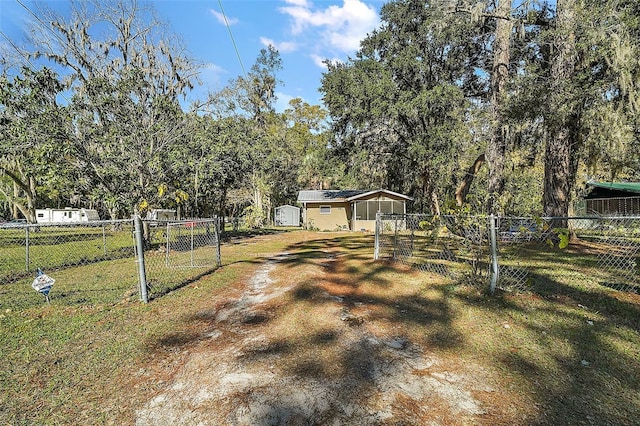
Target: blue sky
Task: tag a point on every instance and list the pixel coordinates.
(305, 32)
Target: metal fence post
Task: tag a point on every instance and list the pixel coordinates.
(216, 227)
(142, 274)
(395, 239)
(168, 245)
(104, 239)
(495, 270)
(26, 247)
(376, 248)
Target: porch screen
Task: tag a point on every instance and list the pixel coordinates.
(366, 210)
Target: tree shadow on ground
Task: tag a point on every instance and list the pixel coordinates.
(334, 356)
(576, 350)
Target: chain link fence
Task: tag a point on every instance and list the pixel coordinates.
(452, 246)
(97, 262)
(517, 253)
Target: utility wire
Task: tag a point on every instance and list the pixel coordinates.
(226, 21)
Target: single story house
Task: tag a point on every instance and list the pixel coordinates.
(330, 210)
(612, 199)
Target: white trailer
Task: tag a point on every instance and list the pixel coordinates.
(162, 215)
(66, 215)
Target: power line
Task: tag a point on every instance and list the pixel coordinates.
(226, 21)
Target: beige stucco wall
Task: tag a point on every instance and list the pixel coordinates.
(338, 219)
(366, 225)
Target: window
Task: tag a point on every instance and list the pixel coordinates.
(325, 209)
(40, 214)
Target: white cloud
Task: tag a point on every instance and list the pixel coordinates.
(283, 101)
(282, 47)
(211, 75)
(341, 27)
(221, 18)
(319, 60)
(304, 3)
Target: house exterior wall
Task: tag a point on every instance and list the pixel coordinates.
(342, 217)
(338, 218)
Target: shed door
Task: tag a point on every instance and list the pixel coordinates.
(292, 217)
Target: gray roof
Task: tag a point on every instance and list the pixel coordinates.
(340, 195)
(333, 195)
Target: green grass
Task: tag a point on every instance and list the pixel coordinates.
(565, 353)
(56, 247)
(82, 364)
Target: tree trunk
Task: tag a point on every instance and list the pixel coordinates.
(463, 188)
(497, 147)
(14, 206)
(429, 190)
(561, 152)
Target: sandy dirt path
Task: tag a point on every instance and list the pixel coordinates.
(242, 373)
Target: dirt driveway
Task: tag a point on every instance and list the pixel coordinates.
(302, 341)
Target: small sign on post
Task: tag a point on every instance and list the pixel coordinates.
(42, 284)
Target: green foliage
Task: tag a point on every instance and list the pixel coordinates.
(34, 138)
(253, 218)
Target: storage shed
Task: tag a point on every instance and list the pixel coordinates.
(287, 216)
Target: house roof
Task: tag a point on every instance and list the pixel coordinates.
(382, 191)
(332, 195)
(341, 195)
(628, 187)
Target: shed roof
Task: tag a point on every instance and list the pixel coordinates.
(629, 187)
(341, 195)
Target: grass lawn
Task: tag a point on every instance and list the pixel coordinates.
(567, 356)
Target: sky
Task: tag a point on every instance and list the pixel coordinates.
(305, 32)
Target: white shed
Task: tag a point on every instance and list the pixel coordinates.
(287, 216)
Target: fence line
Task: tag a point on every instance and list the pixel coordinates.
(516, 253)
(101, 262)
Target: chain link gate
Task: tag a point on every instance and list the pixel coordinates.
(193, 244)
(452, 246)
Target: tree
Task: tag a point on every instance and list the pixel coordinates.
(563, 144)
(307, 139)
(399, 107)
(575, 81)
(497, 146)
(253, 97)
(34, 142)
(126, 72)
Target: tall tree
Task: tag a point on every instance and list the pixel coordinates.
(253, 97)
(497, 146)
(34, 138)
(126, 72)
(400, 104)
(563, 144)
